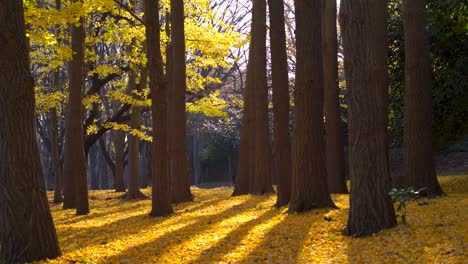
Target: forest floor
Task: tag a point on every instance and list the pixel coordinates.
(217, 228)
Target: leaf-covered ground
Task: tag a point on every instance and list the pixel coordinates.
(217, 228)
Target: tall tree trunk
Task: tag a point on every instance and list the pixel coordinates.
(262, 156)
(134, 143)
(364, 24)
(419, 170)
(119, 145)
(333, 130)
(75, 178)
(178, 151)
(27, 231)
(161, 191)
(58, 195)
(309, 172)
(244, 176)
(58, 191)
(280, 84)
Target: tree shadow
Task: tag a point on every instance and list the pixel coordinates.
(282, 243)
(232, 240)
(131, 223)
(213, 185)
(157, 247)
(111, 209)
(396, 249)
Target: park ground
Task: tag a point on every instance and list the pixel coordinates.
(217, 228)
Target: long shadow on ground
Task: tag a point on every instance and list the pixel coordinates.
(157, 247)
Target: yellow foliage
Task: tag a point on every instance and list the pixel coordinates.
(217, 228)
(47, 101)
(211, 105)
(141, 134)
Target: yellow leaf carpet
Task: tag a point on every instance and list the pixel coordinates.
(217, 228)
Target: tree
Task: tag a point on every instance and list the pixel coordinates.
(75, 178)
(178, 143)
(134, 141)
(54, 140)
(119, 146)
(246, 169)
(161, 191)
(333, 130)
(243, 178)
(27, 231)
(309, 172)
(58, 194)
(364, 31)
(419, 170)
(262, 156)
(448, 42)
(280, 85)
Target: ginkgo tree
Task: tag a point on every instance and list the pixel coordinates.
(114, 41)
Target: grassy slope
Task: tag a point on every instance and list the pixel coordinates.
(216, 228)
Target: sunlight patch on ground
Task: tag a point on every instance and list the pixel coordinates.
(217, 228)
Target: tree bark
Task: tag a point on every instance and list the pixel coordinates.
(75, 178)
(27, 231)
(58, 190)
(262, 156)
(244, 176)
(161, 191)
(178, 150)
(333, 130)
(419, 170)
(364, 26)
(280, 84)
(119, 144)
(309, 172)
(134, 143)
(58, 194)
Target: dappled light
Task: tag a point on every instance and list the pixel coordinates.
(217, 228)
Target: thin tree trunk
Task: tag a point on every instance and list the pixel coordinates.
(161, 191)
(364, 24)
(309, 172)
(134, 143)
(93, 167)
(75, 178)
(419, 170)
(58, 191)
(262, 156)
(179, 163)
(58, 195)
(280, 84)
(119, 144)
(333, 130)
(27, 231)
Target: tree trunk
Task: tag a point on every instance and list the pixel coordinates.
(244, 176)
(161, 191)
(58, 190)
(333, 130)
(419, 170)
(119, 144)
(179, 163)
(93, 168)
(364, 26)
(27, 231)
(58, 195)
(262, 156)
(134, 143)
(75, 178)
(309, 172)
(280, 84)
